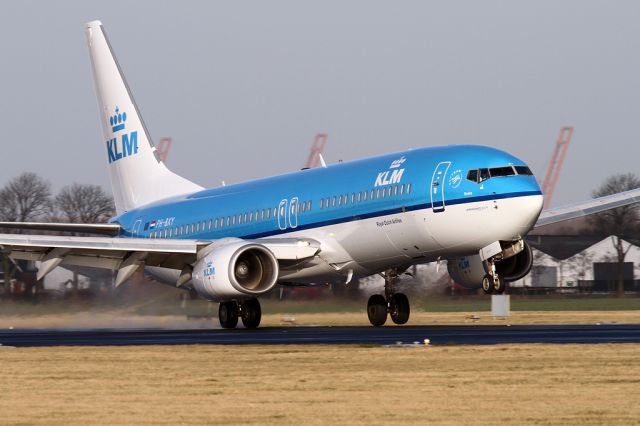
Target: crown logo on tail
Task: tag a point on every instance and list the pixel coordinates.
(117, 120)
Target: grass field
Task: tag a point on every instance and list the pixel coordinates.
(509, 384)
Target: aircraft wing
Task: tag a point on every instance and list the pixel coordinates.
(85, 228)
(126, 254)
(586, 208)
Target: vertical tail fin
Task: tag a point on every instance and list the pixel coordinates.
(138, 176)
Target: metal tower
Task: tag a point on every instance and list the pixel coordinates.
(316, 149)
(555, 165)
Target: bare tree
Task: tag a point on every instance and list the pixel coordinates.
(25, 198)
(85, 203)
(620, 222)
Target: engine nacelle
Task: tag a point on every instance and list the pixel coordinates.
(470, 270)
(235, 270)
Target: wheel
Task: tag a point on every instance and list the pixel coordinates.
(487, 284)
(251, 313)
(500, 286)
(399, 308)
(377, 310)
(228, 314)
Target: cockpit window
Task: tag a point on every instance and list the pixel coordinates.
(523, 170)
(480, 175)
(502, 171)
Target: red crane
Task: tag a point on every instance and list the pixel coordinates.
(316, 149)
(555, 165)
(163, 148)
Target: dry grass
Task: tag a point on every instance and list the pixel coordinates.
(515, 384)
(125, 319)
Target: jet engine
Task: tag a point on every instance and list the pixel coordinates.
(235, 270)
(469, 270)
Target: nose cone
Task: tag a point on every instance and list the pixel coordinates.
(529, 209)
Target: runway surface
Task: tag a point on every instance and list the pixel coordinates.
(437, 335)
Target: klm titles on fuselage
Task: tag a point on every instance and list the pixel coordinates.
(125, 145)
(393, 175)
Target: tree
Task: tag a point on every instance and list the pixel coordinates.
(25, 198)
(85, 203)
(620, 222)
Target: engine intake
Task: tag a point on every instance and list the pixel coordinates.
(470, 270)
(235, 270)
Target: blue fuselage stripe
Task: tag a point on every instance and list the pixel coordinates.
(387, 212)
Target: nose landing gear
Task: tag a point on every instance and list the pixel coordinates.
(395, 305)
(493, 283)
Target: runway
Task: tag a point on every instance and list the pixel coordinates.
(437, 335)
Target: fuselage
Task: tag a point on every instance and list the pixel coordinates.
(392, 210)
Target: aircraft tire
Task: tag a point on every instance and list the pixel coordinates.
(500, 286)
(228, 314)
(487, 284)
(251, 313)
(377, 310)
(399, 308)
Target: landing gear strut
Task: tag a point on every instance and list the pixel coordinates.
(493, 283)
(396, 305)
(248, 310)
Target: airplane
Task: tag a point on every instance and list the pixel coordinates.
(470, 205)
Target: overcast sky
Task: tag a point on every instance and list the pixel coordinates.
(243, 87)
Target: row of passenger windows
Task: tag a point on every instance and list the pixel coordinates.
(231, 220)
(480, 175)
(268, 213)
(363, 196)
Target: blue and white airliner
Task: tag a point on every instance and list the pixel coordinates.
(469, 205)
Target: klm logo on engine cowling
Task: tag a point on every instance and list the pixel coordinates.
(209, 271)
(124, 145)
(393, 175)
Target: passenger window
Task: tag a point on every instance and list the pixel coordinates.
(409, 189)
(378, 194)
(364, 195)
(372, 195)
(321, 203)
(334, 201)
(210, 224)
(340, 200)
(204, 225)
(198, 227)
(395, 191)
(193, 228)
(304, 207)
(353, 197)
(472, 175)
(360, 196)
(309, 206)
(170, 232)
(523, 170)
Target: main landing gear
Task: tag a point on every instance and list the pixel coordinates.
(493, 283)
(396, 305)
(248, 310)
